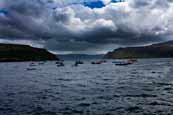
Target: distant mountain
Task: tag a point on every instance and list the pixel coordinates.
(14, 52)
(160, 50)
(79, 56)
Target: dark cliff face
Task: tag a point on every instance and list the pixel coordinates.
(161, 50)
(12, 53)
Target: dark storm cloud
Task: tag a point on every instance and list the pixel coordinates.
(31, 19)
(80, 28)
(18, 21)
(123, 37)
(29, 8)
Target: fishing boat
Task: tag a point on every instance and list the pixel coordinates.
(60, 64)
(98, 62)
(31, 69)
(78, 63)
(32, 64)
(133, 60)
(103, 61)
(124, 63)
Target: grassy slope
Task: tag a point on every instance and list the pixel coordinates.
(11, 52)
(162, 50)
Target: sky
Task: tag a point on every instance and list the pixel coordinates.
(85, 26)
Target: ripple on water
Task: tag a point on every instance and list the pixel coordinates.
(141, 95)
(42, 111)
(159, 103)
(134, 109)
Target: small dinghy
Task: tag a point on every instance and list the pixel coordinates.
(103, 61)
(78, 63)
(124, 63)
(31, 69)
(60, 64)
(96, 62)
(99, 62)
(32, 64)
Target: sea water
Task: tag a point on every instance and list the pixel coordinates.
(143, 88)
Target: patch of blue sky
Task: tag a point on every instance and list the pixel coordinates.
(88, 3)
(3, 11)
(94, 4)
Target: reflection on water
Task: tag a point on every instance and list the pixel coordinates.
(145, 88)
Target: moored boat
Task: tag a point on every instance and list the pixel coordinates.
(31, 69)
(123, 63)
(60, 64)
(78, 63)
(96, 62)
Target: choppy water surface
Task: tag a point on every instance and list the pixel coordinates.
(145, 88)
